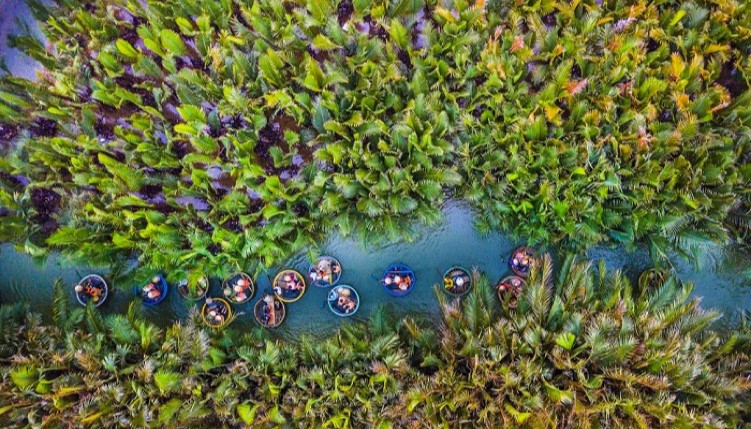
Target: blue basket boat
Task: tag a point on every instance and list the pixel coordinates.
(398, 279)
(160, 284)
(344, 301)
(96, 286)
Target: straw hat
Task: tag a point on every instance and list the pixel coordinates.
(79, 288)
(344, 292)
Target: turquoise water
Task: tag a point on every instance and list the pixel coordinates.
(722, 283)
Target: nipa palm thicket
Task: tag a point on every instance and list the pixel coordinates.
(585, 350)
(206, 134)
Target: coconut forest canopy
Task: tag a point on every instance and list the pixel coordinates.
(198, 134)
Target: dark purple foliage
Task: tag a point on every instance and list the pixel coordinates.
(151, 191)
(549, 19)
(300, 209)
(45, 202)
(576, 71)
(270, 135)
(375, 29)
(233, 225)
(344, 11)
(18, 181)
(7, 132)
(203, 225)
(180, 149)
(43, 127)
(732, 79)
(403, 56)
(104, 129)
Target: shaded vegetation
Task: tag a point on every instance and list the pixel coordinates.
(586, 350)
(204, 136)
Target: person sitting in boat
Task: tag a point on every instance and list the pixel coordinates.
(460, 281)
(151, 291)
(290, 286)
(344, 302)
(238, 291)
(268, 311)
(514, 287)
(89, 290)
(403, 283)
(522, 260)
(217, 313)
(388, 281)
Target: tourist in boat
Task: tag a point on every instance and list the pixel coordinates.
(404, 283)
(397, 282)
(521, 260)
(239, 288)
(291, 286)
(344, 301)
(268, 312)
(217, 313)
(457, 281)
(89, 290)
(151, 291)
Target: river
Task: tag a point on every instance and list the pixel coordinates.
(722, 281)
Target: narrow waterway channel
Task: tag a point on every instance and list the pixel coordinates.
(722, 281)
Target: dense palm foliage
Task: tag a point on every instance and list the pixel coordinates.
(200, 135)
(585, 350)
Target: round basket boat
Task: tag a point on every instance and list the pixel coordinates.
(202, 287)
(344, 301)
(521, 260)
(238, 288)
(289, 285)
(325, 272)
(157, 287)
(652, 278)
(398, 279)
(93, 287)
(270, 311)
(457, 281)
(510, 288)
(216, 313)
